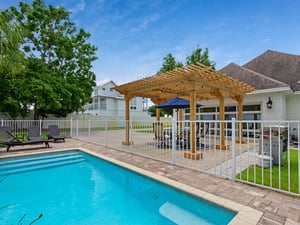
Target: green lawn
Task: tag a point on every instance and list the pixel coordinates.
(262, 175)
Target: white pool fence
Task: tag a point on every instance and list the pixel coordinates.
(267, 155)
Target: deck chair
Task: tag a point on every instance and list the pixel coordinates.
(10, 140)
(54, 133)
(5, 136)
(34, 134)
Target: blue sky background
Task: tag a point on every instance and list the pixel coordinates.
(133, 36)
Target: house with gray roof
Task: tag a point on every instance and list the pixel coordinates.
(275, 76)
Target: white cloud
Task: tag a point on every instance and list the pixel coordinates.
(80, 6)
(145, 22)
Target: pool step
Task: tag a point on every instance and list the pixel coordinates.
(39, 162)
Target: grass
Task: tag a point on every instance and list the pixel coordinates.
(275, 177)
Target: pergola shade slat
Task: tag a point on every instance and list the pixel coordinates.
(195, 77)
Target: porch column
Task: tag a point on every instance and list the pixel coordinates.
(192, 153)
(127, 120)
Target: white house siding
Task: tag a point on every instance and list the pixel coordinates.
(114, 103)
(286, 104)
(293, 107)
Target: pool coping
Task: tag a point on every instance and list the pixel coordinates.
(245, 214)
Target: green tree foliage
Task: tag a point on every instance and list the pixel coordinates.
(196, 56)
(58, 78)
(152, 111)
(169, 64)
(11, 63)
(11, 58)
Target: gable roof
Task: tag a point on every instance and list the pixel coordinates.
(256, 80)
(279, 66)
(105, 82)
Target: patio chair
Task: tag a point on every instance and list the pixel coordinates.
(54, 134)
(160, 135)
(34, 133)
(7, 138)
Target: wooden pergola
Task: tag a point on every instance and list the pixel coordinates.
(194, 82)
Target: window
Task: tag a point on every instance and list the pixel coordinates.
(145, 105)
(251, 108)
(103, 103)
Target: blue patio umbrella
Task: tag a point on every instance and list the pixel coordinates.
(176, 103)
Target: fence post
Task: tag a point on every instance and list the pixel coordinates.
(233, 148)
(89, 130)
(77, 128)
(71, 127)
(106, 132)
(130, 135)
(41, 127)
(174, 122)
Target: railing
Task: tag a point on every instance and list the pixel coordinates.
(266, 155)
(262, 153)
(20, 127)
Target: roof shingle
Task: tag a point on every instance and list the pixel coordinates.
(279, 66)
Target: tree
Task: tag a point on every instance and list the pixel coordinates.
(152, 111)
(169, 64)
(196, 56)
(11, 58)
(58, 78)
(11, 62)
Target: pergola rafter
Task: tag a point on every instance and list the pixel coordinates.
(194, 82)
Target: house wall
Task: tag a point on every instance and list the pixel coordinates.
(293, 107)
(286, 104)
(278, 110)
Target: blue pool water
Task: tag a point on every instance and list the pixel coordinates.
(77, 188)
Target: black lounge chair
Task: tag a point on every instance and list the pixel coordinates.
(54, 134)
(10, 140)
(6, 137)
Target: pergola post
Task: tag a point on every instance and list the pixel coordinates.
(240, 118)
(180, 118)
(192, 153)
(222, 145)
(157, 114)
(127, 120)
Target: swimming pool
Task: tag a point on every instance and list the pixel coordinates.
(76, 188)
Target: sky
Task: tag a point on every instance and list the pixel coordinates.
(133, 36)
